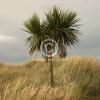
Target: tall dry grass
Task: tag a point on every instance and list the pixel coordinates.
(76, 78)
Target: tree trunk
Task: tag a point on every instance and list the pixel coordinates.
(46, 59)
(62, 52)
(51, 71)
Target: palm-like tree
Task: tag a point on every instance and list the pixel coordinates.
(62, 26)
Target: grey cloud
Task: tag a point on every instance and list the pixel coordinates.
(14, 12)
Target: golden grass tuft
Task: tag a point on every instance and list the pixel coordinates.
(76, 78)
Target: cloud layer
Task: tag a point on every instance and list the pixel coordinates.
(5, 38)
(14, 12)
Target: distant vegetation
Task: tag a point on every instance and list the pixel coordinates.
(76, 78)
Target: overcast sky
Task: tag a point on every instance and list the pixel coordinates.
(14, 12)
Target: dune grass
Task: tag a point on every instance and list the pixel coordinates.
(76, 78)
